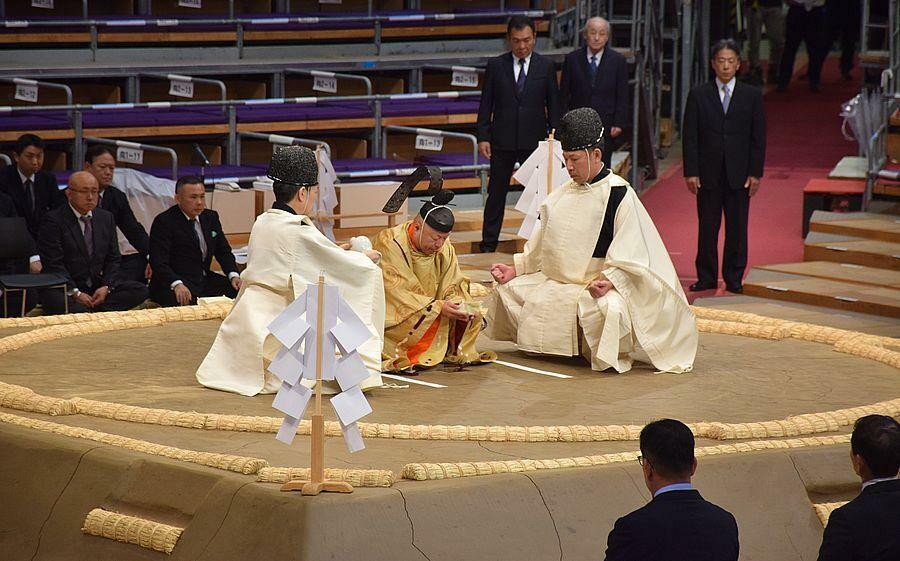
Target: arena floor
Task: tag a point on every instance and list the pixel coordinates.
(736, 380)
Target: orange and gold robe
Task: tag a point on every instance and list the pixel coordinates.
(415, 332)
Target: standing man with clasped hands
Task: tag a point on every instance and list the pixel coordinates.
(724, 139)
(519, 105)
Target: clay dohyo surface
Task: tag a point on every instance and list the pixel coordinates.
(735, 379)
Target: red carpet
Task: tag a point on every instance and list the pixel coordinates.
(804, 141)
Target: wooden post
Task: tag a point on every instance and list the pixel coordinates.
(317, 482)
(550, 162)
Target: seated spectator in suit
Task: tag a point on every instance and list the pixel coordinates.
(183, 241)
(868, 527)
(100, 161)
(78, 241)
(677, 524)
(17, 266)
(34, 191)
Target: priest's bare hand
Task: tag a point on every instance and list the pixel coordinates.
(484, 148)
(375, 256)
(345, 246)
(693, 184)
(503, 273)
(615, 131)
(599, 288)
(99, 296)
(452, 311)
(236, 283)
(35, 267)
(752, 184)
(182, 294)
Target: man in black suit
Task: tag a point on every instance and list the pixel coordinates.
(597, 77)
(100, 161)
(519, 105)
(868, 527)
(78, 241)
(724, 140)
(677, 524)
(34, 191)
(183, 241)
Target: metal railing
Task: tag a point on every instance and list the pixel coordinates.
(41, 84)
(376, 21)
(430, 132)
(231, 113)
(282, 140)
(178, 78)
(138, 146)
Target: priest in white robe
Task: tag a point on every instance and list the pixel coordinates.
(595, 278)
(286, 253)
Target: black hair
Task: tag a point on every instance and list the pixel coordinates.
(187, 180)
(285, 192)
(876, 438)
(723, 44)
(27, 140)
(519, 22)
(97, 150)
(669, 447)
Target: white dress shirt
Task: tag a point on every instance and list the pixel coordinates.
(876, 480)
(729, 85)
(591, 54)
(516, 66)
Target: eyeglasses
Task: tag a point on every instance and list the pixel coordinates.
(643, 461)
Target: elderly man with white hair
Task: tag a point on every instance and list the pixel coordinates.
(596, 76)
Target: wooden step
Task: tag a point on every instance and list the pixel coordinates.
(849, 297)
(842, 272)
(468, 242)
(862, 225)
(870, 253)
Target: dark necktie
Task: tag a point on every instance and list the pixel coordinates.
(88, 234)
(593, 66)
(520, 81)
(29, 194)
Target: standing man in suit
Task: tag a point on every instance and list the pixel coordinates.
(724, 139)
(34, 192)
(868, 527)
(597, 77)
(519, 105)
(183, 241)
(78, 241)
(100, 161)
(677, 524)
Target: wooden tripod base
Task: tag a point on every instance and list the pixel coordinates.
(310, 488)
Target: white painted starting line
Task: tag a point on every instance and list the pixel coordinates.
(412, 380)
(529, 369)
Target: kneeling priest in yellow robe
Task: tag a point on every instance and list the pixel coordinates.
(431, 317)
(595, 278)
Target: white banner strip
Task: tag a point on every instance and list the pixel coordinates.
(127, 144)
(25, 81)
(529, 369)
(321, 73)
(411, 380)
(178, 77)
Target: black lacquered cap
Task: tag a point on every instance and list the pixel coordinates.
(294, 165)
(579, 129)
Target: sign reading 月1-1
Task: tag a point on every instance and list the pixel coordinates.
(464, 79)
(46, 4)
(27, 92)
(325, 84)
(190, 3)
(130, 155)
(181, 88)
(429, 142)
